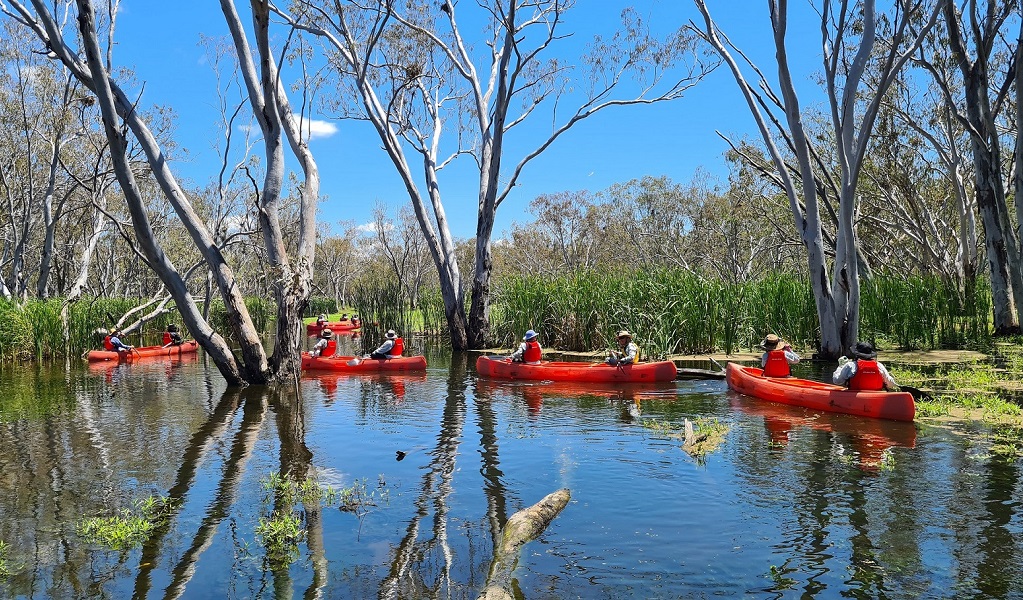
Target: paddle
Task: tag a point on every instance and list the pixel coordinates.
(357, 361)
(917, 393)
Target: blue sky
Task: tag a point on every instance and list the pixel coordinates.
(160, 41)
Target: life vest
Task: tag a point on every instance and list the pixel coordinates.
(330, 349)
(107, 344)
(355, 322)
(167, 339)
(397, 348)
(533, 352)
(777, 365)
(867, 376)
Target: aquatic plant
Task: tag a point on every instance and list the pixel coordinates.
(279, 533)
(6, 567)
(130, 527)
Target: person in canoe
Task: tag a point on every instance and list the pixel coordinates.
(529, 351)
(113, 342)
(392, 347)
(355, 320)
(627, 353)
(864, 372)
(172, 337)
(778, 356)
(326, 346)
(320, 320)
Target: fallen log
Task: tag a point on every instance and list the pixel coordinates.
(520, 529)
(684, 373)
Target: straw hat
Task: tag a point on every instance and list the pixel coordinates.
(624, 333)
(771, 342)
(529, 335)
(391, 335)
(326, 333)
(864, 350)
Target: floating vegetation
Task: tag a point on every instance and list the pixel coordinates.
(978, 386)
(282, 529)
(699, 437)
(6, 568)
(131, 527)
(280, 533)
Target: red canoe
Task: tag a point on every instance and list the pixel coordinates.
(898, 406)
(188, 347)
(363, 365)
(575, 371)
(312, 329)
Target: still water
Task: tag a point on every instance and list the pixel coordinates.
(793, 504)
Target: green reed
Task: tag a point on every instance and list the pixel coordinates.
(671, 311)
(384, 305)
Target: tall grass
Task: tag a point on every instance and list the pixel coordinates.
(671, 311)
(384, 305)
(35, 330)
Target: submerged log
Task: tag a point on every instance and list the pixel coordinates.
(698, 374)
(520, 529)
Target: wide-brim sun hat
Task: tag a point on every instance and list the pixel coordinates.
(326, 333)
(529, 335)
(391, 335)
(771, 342)
(624, 333)
(864, 350)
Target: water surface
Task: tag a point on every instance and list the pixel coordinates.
(794, 504)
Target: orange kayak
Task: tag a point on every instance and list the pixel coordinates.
(898, 406)
(188, 347)
(312, 329)
(354, 364)
(503, 368)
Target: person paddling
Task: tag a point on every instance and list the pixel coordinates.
(326, 346)
(392, 347)
(529, 351)
(865, 372)
(778, 356)
(113, 342)
(627, 353)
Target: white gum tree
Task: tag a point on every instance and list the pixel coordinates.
(850, 44)
(291, 275)
(433, 95)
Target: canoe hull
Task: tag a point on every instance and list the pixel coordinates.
(146, 352)
(366, 365)
(312, 329)
(898, 406)
(570, 371)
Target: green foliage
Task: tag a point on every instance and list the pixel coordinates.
(280, 533)
(672, 311)
(130, 527)
(6, 567)
(383, 305)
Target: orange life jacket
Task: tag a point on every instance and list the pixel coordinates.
(867, 376)
(397, 349)
(777, 365)
(167, 338)
(330, 349)
(533, 352)
(107, 344)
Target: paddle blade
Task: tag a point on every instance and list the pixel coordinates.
(355, 362)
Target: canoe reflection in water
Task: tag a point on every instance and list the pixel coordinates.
(393, 385)
(871, 439)
(534, 392)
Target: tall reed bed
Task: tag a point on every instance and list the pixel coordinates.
(384, 305)
(925, 312)
(672, 311)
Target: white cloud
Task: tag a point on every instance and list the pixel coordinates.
(316, 129)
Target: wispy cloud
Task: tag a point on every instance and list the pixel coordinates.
(315, 129)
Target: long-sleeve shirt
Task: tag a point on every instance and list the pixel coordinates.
(520, 352)
(118, 344)
(628, 354)
(385, 348)
(319, 347)
(845, 372)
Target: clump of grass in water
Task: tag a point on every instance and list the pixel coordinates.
(707, 435)
(282, 529)
(131, 527)
(971, 387)
(6, 568)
